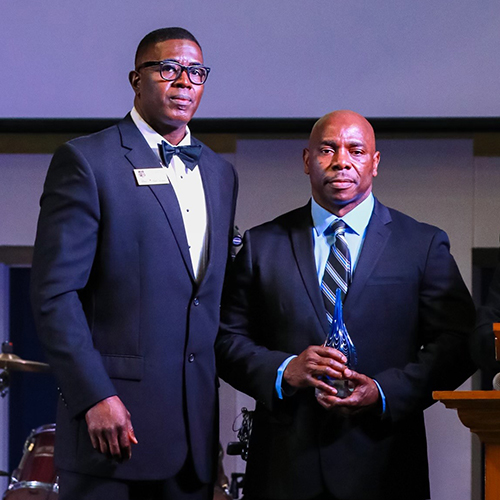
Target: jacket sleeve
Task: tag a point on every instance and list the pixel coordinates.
(65, 249)
(242, 360)
(446, 320)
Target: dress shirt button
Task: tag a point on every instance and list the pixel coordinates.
(191, 358)
(196, 301)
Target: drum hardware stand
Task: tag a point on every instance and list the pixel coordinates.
(237, 480)
(4, 383)
(240, 447)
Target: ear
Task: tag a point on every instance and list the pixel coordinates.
(134, 78)
(305, 158)
(376, 161)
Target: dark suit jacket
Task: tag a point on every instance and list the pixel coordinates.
(408, 313)
(117, 307)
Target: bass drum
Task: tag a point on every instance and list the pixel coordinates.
(35, 478)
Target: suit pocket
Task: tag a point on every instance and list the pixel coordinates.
(388, 280)
(124, 367)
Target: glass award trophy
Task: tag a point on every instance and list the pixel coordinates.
(339, 339)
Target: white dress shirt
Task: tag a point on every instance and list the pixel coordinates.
(188, 188)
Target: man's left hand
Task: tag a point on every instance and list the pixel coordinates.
(364, 396)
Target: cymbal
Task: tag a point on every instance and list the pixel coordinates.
(9, 361)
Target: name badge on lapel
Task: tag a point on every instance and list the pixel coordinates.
(151, 176)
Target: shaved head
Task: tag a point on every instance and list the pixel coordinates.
(344, 116)
(341, 161)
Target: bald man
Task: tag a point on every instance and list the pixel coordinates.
(407, 312)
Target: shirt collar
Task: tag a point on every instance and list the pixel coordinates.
(357, 219)
(152, 137)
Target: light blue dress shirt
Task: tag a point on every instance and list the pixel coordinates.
(357, 221)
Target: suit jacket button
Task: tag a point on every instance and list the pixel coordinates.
(191, 358)
(196, 301)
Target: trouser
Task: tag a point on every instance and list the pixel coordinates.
(183, 486)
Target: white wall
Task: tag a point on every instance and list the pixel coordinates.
(435, 180)
(21, 185)
(486, 201)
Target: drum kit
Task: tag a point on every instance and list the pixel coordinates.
(35, 478)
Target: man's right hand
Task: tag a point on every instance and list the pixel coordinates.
(110, 428)
(316, 361)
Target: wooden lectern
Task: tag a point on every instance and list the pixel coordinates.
(480, 412)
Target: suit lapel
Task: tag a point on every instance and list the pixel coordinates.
(377, 235)
(140, 156)
(211, 181)
(302, 245)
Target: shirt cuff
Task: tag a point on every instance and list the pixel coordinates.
(382, 396)
(279, 376)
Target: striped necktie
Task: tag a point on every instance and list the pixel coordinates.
(338, 268)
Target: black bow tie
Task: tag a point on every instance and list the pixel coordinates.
(188, 154)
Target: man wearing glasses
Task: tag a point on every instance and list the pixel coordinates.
(132, 244)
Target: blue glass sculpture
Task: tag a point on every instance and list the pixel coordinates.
(339, 339)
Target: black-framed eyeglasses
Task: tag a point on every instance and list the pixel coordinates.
(171, 70)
